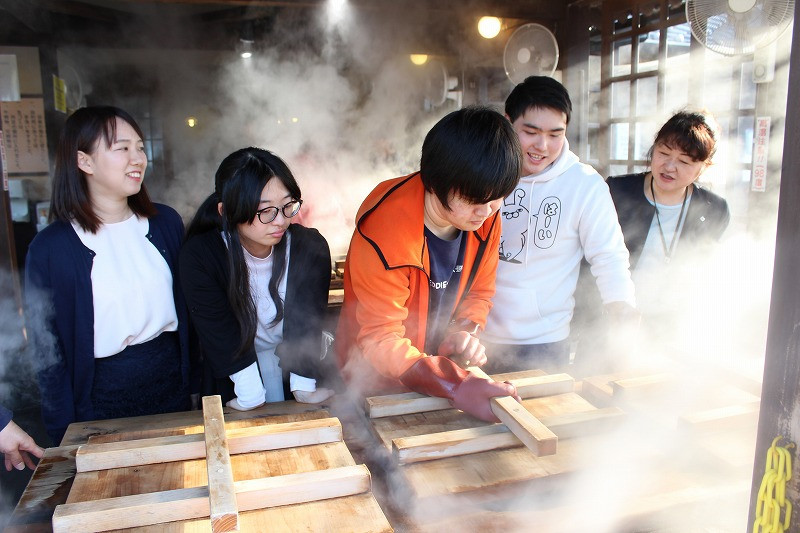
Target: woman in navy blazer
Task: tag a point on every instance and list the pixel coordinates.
(104, 312)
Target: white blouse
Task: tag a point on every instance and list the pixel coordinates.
(131, 286)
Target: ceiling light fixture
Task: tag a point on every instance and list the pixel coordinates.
(419, 59)
(489, 27)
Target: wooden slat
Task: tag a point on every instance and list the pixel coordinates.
(643, 387)
(224, 512)
(533, 434)
(722, 418)
(412, 402)
(185, 447)
(185, 504)
(474, 440)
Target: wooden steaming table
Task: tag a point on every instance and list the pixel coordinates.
(55, 482)
(509, 488)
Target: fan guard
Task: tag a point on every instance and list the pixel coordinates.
(531, 50)
(734, 27)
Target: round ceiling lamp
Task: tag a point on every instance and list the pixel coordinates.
(489, 27)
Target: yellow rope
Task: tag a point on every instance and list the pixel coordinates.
(772, 494)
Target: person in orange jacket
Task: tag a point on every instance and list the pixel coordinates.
(420, 270)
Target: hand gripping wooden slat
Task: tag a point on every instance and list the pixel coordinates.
(186, 504)
(223, 510)
(186, 447)
(480, 439)
(412, 402)
(533, 434)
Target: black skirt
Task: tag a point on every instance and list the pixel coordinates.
(143, 379)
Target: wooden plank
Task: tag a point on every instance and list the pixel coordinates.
(411, 402)
(184, 447)
(474, 440)
(643, 387)
(722, 418)
(221, 492)
(184, 504)
(180, 422)
(533, 434)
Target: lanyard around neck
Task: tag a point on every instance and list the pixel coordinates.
(668, 251)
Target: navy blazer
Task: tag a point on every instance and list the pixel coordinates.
(5, 417)
(706, 217)
(60, 315)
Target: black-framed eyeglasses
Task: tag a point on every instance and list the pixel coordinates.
(268, 214)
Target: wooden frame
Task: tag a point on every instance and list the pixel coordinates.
(222, 498)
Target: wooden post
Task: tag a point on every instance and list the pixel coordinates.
(221, 493)
(533, 434)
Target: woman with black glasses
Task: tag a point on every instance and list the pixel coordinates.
(256, 285)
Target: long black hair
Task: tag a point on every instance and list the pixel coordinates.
(238, 184)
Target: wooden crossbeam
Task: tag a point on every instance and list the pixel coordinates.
(186, 447)
(533, 434)
(224, 511)
(412, 402)
(474, 440)
(186, 504)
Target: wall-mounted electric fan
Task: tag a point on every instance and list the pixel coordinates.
(75, 87)
(531, 50)
(439, 86)
(733, 27)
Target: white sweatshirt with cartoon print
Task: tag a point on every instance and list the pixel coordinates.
(550, 222)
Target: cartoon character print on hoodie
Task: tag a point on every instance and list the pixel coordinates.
(515, 225)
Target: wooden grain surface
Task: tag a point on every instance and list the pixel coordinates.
(351, 513)
(55, 475)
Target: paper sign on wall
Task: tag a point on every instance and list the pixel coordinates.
(59, 94)
(758, 182)
(24, 136)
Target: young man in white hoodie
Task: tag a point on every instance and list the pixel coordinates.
(560, 212)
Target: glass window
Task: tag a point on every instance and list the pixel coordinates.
(647, 59)
(643, 140)
(620, 99)
(747, 88)
(621, 65)
(717, 73)
(619, 140)
(679, 38)
(676, 89)
(646, 95)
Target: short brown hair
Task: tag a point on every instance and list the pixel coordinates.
(70, 195)
(689, 132)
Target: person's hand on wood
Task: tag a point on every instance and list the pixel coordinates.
(234, 404)
(17, 447)
(317, 396)
(463, 346)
